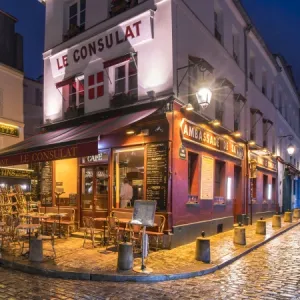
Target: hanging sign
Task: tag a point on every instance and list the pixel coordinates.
(197, 134)
(182, 152)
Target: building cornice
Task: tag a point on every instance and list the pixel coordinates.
(11, 71)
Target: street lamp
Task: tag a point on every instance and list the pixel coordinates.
(290, 149)
(204, 95)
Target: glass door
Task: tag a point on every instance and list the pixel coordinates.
(94, 189)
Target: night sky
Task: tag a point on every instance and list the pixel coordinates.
(277, 20)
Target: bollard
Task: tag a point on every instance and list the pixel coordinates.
(36, 250)
(125, 256)
(288, 217)
(297, 213)
(261, 227)
(239, 236)
(203, 250)
(276, 221)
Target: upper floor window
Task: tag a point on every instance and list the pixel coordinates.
(73, 96)
(38, 97)
(280, 102)
(126, 78)
(264, 82)
(235, 45)
(252, 67)
(273, 93)
(119, 6)
(75, 15)
(218, 19)
(219, 112)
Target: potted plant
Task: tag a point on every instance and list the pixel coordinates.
(122, 99)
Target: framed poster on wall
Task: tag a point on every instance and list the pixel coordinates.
(207, 178)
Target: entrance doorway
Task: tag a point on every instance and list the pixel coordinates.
(94, 190)
(237, 202)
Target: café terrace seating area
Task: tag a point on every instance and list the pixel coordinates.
(22, 222)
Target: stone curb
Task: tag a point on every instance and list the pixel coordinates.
(75, 275)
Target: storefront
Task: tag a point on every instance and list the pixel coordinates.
(263, 185)
(91, 162)
(208, 177)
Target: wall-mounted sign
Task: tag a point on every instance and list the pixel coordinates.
(11, 130)
(182, 152)
(102, 156)
(104, 45)
(16, 173)
(207, 178)
(197, 134)
(265, 163)
(253, 168)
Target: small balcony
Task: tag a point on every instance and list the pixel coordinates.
(119, 6)
(74, 112)
(73, 31)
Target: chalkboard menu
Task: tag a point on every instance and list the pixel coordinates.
(47, 183)
(157, 174)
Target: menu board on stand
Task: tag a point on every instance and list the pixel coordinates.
(47, 183)
(157, 174)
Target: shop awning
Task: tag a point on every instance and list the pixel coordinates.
(77, 141)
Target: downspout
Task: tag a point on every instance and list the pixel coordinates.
(247, 29)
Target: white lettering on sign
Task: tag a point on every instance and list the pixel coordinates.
(124, 36)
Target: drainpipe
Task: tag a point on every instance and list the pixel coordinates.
(247, 29)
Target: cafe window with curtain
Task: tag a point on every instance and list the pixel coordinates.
(219, 184)
(193, 174)
(128, 178)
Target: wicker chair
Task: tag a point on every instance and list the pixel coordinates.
(135, 235)
(50, 238)
(113, 230)
(89, 229)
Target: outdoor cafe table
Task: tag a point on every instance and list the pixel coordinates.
(104, 220)
(59, 216)
(38, 216)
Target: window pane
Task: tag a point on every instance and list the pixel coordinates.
(101, 187)
(132, 82)
(73, 10)
(132, 68)
(87, 188)
(82, 18)
(120, 72)
(73, 21)
(128, 186)
(120, 86)
(72, 100)
(82, 5)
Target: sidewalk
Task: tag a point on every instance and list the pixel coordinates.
(75, 262)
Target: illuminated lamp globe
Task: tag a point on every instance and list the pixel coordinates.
(204, 95)
(290, 149)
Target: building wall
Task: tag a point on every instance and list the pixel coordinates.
(33, 106)
(11, 44)
(11, 103)
(66, 172)
(153, 47)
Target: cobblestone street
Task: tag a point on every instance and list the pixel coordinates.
(271, 272)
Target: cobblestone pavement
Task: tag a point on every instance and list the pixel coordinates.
(270, 272)
(71, 254)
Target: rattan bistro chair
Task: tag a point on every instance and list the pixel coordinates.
(90, 230)
(113, 230)
(135, 235)
(50, 238)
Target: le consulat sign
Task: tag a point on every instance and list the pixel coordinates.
(197, 134)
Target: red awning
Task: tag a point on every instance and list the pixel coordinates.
(70, 142)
